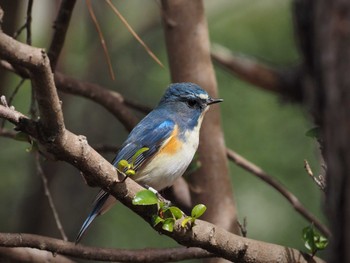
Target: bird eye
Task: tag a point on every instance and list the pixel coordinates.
(191, 103)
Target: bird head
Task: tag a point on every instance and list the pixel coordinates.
(188, 97)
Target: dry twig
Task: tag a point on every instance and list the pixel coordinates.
(102, 39)
(27, 25)
(284, 82)
(291, 198)
(129, 28)
(320, 181)
(49, 196)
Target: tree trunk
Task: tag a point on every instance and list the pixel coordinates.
(324, 31)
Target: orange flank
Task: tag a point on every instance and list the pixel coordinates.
(173, 144)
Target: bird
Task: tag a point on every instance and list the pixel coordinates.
(170, 135)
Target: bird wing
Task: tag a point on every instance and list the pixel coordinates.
(149, 135)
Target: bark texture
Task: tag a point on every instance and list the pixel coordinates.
(324, 33)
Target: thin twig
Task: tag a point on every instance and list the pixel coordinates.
(292, 199)
(129, 28)
(243, 227)
(102, 40)
(14, 93)
(320, 180)
(27, 25)
(49, 196)
(111, 100)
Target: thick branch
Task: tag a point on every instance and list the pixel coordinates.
(37, 62)
(102, 254)
(291, 198)
(29, 255)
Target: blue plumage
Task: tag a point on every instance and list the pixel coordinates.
(171, 132)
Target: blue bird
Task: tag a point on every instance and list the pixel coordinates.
(171, 134)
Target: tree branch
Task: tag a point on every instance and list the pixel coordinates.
(284, 82)
(111, 100)
(27, 24)
(29, 255)
(291, 198)
(61, 26)
(101, 254)
(49, 196)
(37, 62)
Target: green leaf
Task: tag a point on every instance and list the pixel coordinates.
(123, 164)
(313, 240)
(187, 220)
(156, 220)
(314, 133)
(130, 172)
(145, 197)
(177, 213)
(198, 210)
(308, 237)
(321, 242)
(168, 224)
(137, 154)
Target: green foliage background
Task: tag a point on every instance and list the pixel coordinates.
(257, 124)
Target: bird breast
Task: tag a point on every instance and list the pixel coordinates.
(171, 161)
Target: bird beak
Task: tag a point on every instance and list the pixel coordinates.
(213, 101)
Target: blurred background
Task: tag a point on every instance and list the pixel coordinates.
(257, 124)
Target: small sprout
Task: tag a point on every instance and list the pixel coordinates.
(168, 224)
(145, 197)
(186, 221)
(196, 212)
(137, 154)
(156, 220)
(313, 240)
(130, 172)
(123, 164)
(176, 212)
(167, 215)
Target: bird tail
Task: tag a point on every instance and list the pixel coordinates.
(101, 204)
